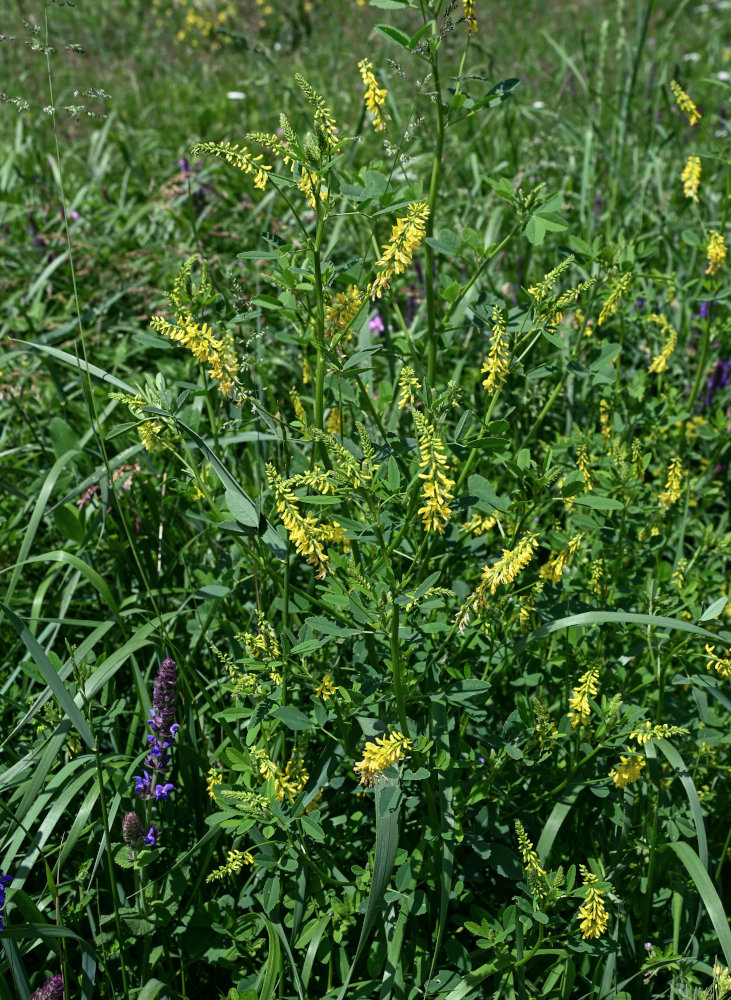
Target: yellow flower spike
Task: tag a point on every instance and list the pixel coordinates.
(236, 861)
(380, 755)
(375, 96)
(238, 157)
(628, 770)
(685, 104)
(673, 485)
(716, 252)
(469, 14)
(621, 287)
(506, 569)
(326, 689)
(437, 485)
(408, 382)
(721, 664)
(582, 461)
(592, 913)
(660, 362)
(214, 778)
(691, 177)
(579, 701)
(497, 365)
(406, 237)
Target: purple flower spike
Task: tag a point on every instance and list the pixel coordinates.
(52, 989)
(163, 700)
(5, 881)
(162, 791)
(152, 836)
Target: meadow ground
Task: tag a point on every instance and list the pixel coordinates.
(365, 395)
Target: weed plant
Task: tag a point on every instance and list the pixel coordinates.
(365, 525)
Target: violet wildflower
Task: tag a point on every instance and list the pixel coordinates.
(375, 325)
(5, 881)
(163, 733)
(720, 378)
(52, 989)
(153, 835)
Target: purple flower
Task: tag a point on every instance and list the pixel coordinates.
(705, 309)
(163, 700)
(162, 791)
(5, 881)
(132, 833)
(153, 835)
(639, 304)
(720, 378)
(375, 325)
(52, 989)
(143, 786)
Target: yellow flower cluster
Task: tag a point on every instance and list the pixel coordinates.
(673, 485)
(334, 421)
(237, 157)
(469, 13)
(437, 485)
(480, 524)
(299, 410)
(217, 352)
(497, 365)
(721, 664)
(236, 861)
(543, 288)
(308, 535)
(378, 756)
(406, 237)
(264, 645)
(326, 689)
(582, 461)
(530, 858)
(660, 362)
(374, 97)
(292, 780)
(579, 700)
(214, 778)
(691, 177)
(592, 913)
(344, 307)
(628, 770)
(661, 731)
(506, 569)
(408, 382)
(621, 287)
(716, 252)
(685, 104)
(557, 562)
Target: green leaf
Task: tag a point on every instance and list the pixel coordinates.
(328, 627)
(715, 609)
(400, 37)
(678, 764)
(50, 677)
(597, 501)
(707, 892)
(293, 718)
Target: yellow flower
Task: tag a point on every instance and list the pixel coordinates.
(292, 780)
(214, 778)
(582, 461)
(236, 861)
(621, 287)
(469, 13)
(685, 104)
(628, 770)
(691, 177)
(497, 365)
(722, 665)
(531, 863)
(579, 700)
(674, 483)
(344, 307)
(406, 237)
(437, 485)
(662, 731)
(660, 362)
(716, 251)
(305, 532)
(326, 689)
(375, 96)
(237, 157)
(506, 569)
(299, 410)
(407, 383)
(592, 913)
(559, 561)
(378, 756)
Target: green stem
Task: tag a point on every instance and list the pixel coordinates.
(428, 250)
(396, 668)
(110, 865)
(701, 362)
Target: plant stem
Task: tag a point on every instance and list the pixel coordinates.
(428, 250)
(396, 668)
